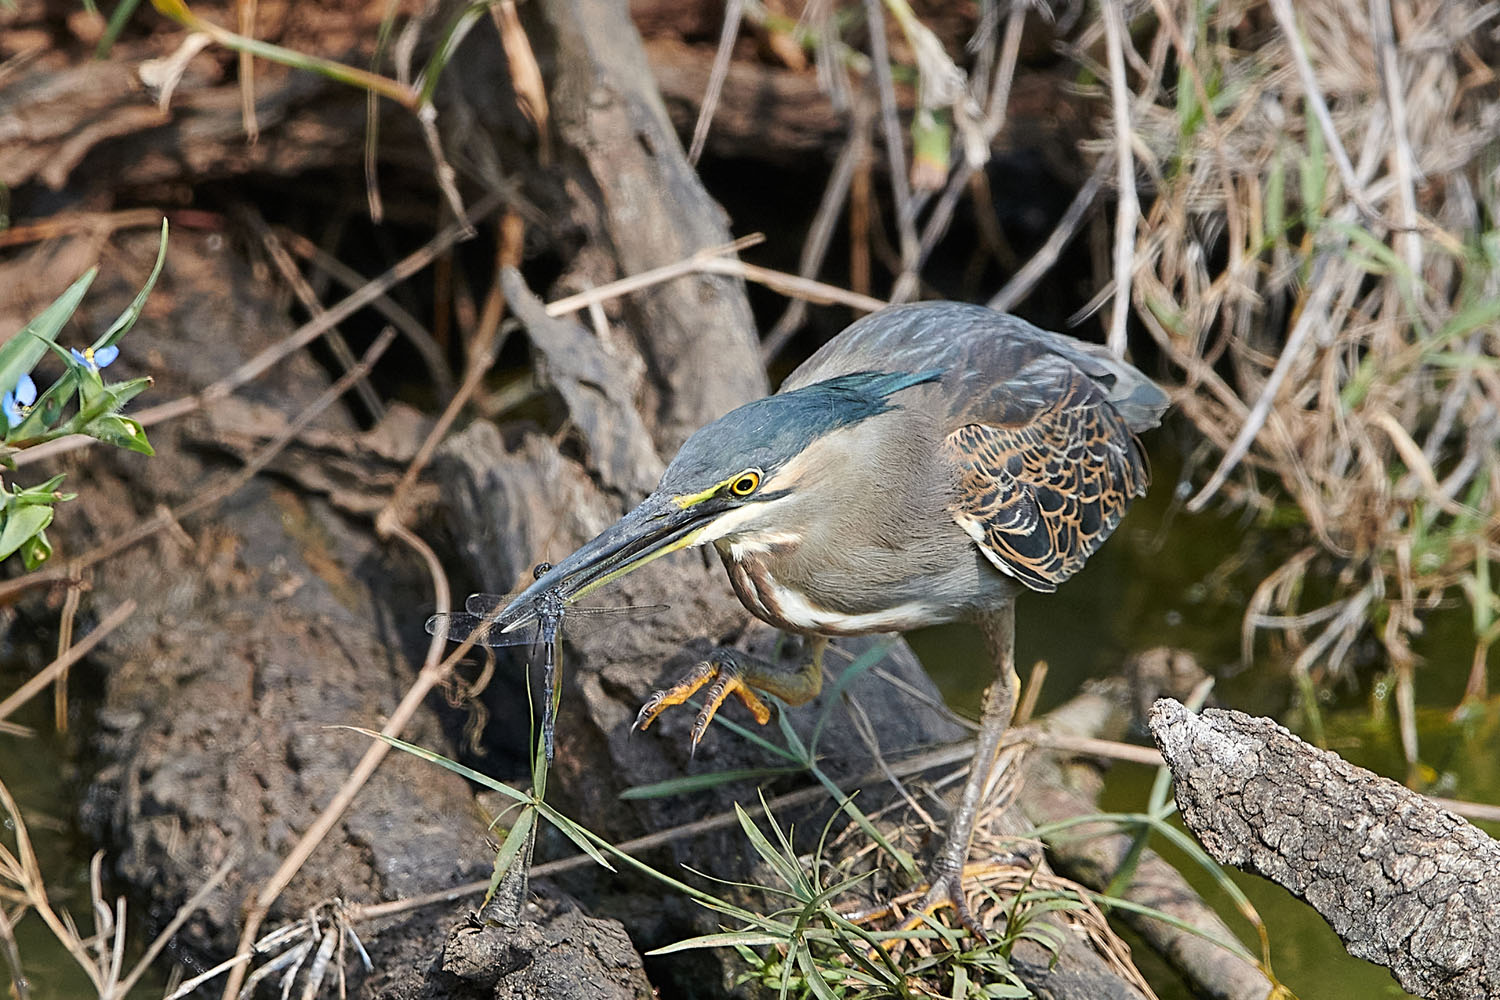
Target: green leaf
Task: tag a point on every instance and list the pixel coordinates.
(1275, 200)
(726, 939)
(427, 80)
(126, 319)
(752, 737)
(44, 411)
(116, 395)
(1312, 172)
(494, 784)
(835, 696)
(21, 352)
(790, 873)
(94, 400)
(35, 551)
(117, 20)
(49, 410)
(506, 856)
(931, 143)
(45, 493)
(121, 431)
(700, 782)
(22, 522)
(576, 834)
(813, 975)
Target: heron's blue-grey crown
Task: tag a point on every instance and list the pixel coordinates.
(769, 432)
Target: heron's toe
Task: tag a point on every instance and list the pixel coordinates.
(946, 889)
(722, 673)
(678, 693)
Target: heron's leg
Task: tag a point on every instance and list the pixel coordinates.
(729, 671)
(946, 882)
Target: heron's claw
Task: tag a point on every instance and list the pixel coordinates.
(946, 889)
(726, 679)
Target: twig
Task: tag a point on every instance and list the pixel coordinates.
(187, 987)
(417, 335)
(1024, 280)
(299, 338)
(59, 666)
(93, 223)
(1128, 207)
(284, 264)
(179, 918)
(1286, 19)
(402, 94)
(388, 524)
(789, 284)
(1403, 162)
(895, 144)
(525, 75)
(655, 276)
(12, 956)
(482, 351)
(23, 869)
(1215, 133)
(994, 121)
(66, 621)
(247, 72)
(734, 10)
(820, 233)
(709, 261)
(998, 108)
(1312, 313)
(207, 498)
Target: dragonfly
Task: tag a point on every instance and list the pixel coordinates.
(543, 620)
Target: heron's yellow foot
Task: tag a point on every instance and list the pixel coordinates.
(946, 889)
(726, 677)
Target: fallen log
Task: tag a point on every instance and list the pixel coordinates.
(1404, 883)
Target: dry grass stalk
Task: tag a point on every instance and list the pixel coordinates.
(1332, 292)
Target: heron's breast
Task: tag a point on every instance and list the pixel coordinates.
(767, 591)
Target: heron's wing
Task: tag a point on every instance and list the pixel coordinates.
(1045, 470)
(984, 357)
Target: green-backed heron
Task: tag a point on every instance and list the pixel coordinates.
(924, 466)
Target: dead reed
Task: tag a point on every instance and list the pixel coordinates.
(1319, 255)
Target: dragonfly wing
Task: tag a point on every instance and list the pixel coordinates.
(579, 622)
(457, 626)
(486, 605)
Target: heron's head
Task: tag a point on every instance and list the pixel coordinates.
(749, 475)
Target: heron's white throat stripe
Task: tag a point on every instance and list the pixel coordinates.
(740, 521)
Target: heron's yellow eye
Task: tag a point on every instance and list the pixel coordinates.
(745, 483)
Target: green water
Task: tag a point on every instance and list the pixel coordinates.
(1159, 581)
(35, 772)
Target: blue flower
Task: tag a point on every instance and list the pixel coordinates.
(94, 360)
(17, 402)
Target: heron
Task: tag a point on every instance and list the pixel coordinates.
(925, 466)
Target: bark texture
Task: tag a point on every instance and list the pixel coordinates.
(555, 950)
(259, 627)
(652, 210)
(1404, 883)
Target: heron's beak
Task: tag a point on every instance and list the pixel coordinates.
(658, 526)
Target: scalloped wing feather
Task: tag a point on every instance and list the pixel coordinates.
(1045, 482)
